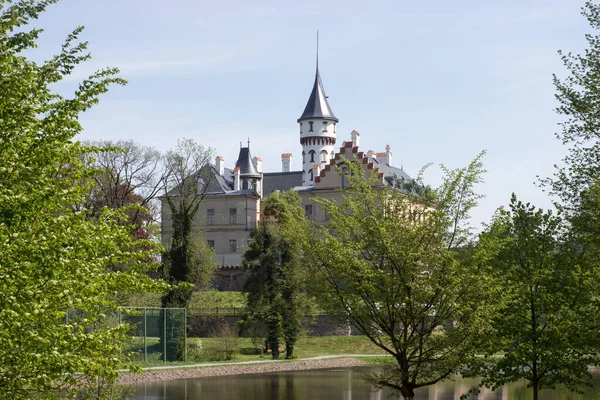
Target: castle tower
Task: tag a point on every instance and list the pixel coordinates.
(249, 177)
(317, 131)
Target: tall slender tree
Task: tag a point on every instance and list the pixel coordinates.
(276, 287)
(575, 183)
(188, 259)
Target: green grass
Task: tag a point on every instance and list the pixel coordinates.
(306, 347)
(200, 299)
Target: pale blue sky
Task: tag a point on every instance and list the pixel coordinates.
(437, 80)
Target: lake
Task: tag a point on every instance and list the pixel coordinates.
(324, 384)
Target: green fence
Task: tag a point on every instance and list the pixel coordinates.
(160, 334)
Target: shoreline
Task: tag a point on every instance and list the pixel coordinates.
(236, 369)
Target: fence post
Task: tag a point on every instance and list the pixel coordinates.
(145, 337)
(164, 334)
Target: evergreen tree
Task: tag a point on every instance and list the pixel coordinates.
(276, 291)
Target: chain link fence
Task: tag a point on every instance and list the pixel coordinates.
(160, 334)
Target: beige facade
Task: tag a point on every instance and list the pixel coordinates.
(231, 210)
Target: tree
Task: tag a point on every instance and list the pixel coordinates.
(189, 259)
(127, 174)
(580, 105)
(54, 259)
(388, 261)
(547, 327)
(188, 263)
(275, 257)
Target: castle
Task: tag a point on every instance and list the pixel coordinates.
(231, 208)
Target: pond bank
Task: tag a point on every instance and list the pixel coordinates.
(199, 371)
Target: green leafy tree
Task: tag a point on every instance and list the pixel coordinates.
(576, 182)
(276, 290)
(394, 263)
(54, 259)
(547, 327)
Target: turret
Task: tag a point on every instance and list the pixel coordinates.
(249, 177)
(317, 131)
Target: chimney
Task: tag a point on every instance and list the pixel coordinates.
(371, 154)
(220, 165)
(388, 153)
(286, 162)
(236, 178)
(258, 164)
(355, 138)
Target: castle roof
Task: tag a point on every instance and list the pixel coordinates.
(317, 105)
(245, 164)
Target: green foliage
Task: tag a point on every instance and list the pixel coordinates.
(580, 106)
(189, 259)
(389, 262)
(547, 327)
(53, 259)
(276, 292)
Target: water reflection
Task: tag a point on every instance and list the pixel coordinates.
(329, 384)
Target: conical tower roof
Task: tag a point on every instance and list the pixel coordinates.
(245, 164)
(317, 105)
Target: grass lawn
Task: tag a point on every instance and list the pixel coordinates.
(200, 299)
(305, 347)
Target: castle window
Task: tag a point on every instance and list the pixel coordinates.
(312, 156)
(303, 157)
(324, 122)
(232, 216)
(310, 126)
(300, 127)
(232, 246)
(324, 156)
(334, 127)
(310, 175)
(344, 177)
(210, 216)
(211, 243)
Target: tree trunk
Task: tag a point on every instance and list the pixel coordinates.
(289, 349)
(274, 347)
(535, 384)
(408, 393)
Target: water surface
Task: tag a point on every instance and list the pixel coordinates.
(325, 384)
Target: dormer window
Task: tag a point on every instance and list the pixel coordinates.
(310, 126)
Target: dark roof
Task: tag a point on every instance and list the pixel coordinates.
(245, 164)
(281, 181)
(400, 173)
(317, 106)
